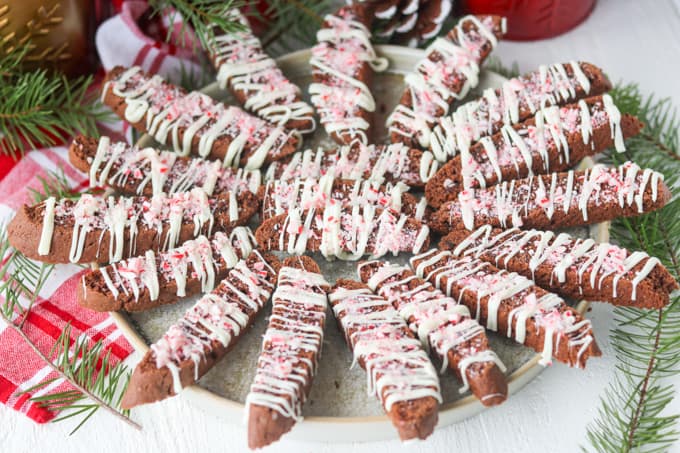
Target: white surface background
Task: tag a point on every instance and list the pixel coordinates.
(632, 40)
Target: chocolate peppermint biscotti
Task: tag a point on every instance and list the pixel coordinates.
(556, 139)
(557, 200)
(147, 281)
(255, 80)
(107, 229)
(134, 171)
(344, 233)
(448, 71)
(290, 352)
(280, 196)
(444, 326)
(572, 267)
(383, 163)
(399, 372)
(517, 100)
(342, 64)
(205, 333)
(411, 21)
(194, 123)
(512, 305)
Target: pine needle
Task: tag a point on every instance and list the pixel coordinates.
(202, 16)
(54, 185)
(294, 23)
(632, 415)
(494, 64)
(84, 365)
(41, 109)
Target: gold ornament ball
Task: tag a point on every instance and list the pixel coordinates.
(59, 34)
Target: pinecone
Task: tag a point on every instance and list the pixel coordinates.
(408, 21)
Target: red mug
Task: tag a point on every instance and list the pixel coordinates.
(533, 19)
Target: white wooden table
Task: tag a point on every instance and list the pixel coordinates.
(633, 41)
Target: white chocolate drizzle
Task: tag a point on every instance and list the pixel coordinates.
(518, 147)
(397, 368)
(527, 303)
(561, 253)
(343, 49)
(296, 324)
(125, 164)
(372, 162)
(282, 195)
(458, 56)
(441, 323)
(200, 259)
(113, 216)
(166, 110)
(47, 227)
(550, 85)
(244, 66)
(349, 233)
(512, 203)
(220, 316)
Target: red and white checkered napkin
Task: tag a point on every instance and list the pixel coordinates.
(121, 41)
(20, 367)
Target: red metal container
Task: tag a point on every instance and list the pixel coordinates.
(533, 19)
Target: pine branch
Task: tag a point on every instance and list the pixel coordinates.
(646, 342)
(100, 389)
(202, 16)
(494, 64)
(96, 383)
(54, 185)
(89, 370)
(294, 23)
(42, 109)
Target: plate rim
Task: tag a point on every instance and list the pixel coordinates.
(449, 413)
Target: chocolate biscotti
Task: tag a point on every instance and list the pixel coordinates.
(134, 171)
(448, 71)
(147, 281)
(557, 200)
(399, 372)
(572, 267)
(101, 229)
(255, 80)
(205, 333)
(512, 305)
(290, 352)
(518, 99)
(194, 123)
(342, 64)
(345, 233)
(444, 326)
(411, 21)
(556, 139)
(280, 196)
(384, 163)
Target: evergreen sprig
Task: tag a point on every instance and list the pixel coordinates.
(632, 413)
(54, 184)
(202, 16)
(293, 23)
(99, 382)
(494, 64)
(96, 383)
(40, 108)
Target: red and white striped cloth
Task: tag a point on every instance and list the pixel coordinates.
(119, 42)
(20, 367)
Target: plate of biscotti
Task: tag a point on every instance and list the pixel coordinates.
(354, 220)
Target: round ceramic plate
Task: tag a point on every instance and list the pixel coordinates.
(338, 408)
